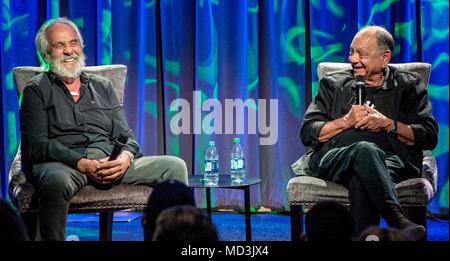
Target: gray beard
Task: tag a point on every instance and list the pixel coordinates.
(58, 68)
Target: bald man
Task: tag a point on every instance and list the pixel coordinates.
(368, 148)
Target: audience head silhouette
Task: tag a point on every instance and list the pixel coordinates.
(166, 194)
(329, 221)
(12, 227)
(184, 224)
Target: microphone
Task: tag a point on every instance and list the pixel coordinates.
(119, 144)
(359, 83)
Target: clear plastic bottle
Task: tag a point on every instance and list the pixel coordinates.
(237, 162)
(211, 175)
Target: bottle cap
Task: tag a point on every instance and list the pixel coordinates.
(236, 140)
(211, 143)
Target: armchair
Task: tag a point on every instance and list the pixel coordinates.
(88, 199)
(306, 191)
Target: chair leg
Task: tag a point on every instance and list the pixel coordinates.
(296, 213)
(105, 225)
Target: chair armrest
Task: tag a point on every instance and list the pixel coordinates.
(22, 196)
(16, 176)
(429, 169)
(20, 192)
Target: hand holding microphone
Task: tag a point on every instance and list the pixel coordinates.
(112, 169)
(357, 113)
(118, 146)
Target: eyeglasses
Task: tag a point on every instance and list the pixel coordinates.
(61, 46)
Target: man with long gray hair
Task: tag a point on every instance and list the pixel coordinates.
(69, 121)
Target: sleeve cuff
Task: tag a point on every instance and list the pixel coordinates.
(419, 134)
(317, 127)
(129, 154)
(72, 159)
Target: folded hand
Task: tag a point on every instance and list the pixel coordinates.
(110, 171)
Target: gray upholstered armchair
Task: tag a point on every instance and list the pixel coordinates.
(88, 199)
(306, 191)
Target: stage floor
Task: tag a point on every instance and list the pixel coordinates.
(231, 227)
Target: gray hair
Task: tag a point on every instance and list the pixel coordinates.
(41, 41)
(385, 40)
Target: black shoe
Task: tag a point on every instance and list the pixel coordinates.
(414, 231)
(395, 218)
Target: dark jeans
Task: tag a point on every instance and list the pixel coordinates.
(369, 174)
(56, 184)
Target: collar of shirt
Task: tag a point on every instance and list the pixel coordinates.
(384, 85)
(387, 74)
(84, 78)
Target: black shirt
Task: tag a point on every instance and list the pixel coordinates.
(56, 128)
(402, 97)
(350, 136)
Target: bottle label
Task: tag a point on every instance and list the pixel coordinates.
(215, 166)
(212, 166)
(233, 164)
(237, 164)
(240, 163)
(208, 166)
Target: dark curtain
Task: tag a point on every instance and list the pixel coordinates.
(182, 54)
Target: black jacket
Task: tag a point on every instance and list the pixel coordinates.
(55, 128)
(403, 97)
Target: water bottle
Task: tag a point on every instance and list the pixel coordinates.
(237, 162)
(211, 165)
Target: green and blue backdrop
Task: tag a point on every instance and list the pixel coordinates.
(225, 49)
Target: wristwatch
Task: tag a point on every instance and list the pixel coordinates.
(393, 132)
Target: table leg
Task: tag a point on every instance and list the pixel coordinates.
(248, 221)
(208, 202)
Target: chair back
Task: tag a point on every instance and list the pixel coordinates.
(115, 72)
(423, 69)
